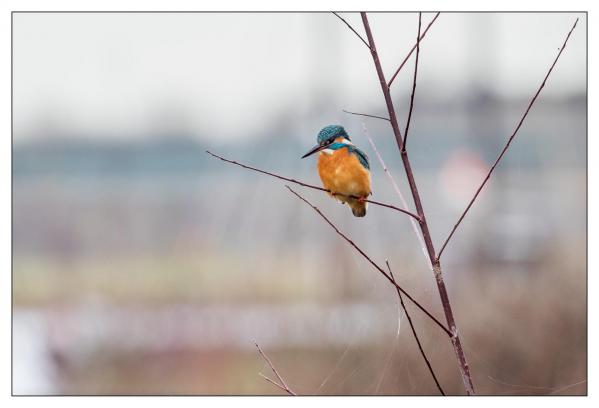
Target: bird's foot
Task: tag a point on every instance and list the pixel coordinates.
(362, 199)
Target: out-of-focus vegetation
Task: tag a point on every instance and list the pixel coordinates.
(134, 281)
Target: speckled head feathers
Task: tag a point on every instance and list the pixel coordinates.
(331, 132)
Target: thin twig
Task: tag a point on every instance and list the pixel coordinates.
(426, 360)
(351, 28)
(301, 183)
(385, 274)
(412, 50)
(399, 193)
(270, 380)
(455, 338)
(283, 385)
(367, 115)
(405, 134)
(507, 145)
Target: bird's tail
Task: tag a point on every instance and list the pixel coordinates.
(358, 208)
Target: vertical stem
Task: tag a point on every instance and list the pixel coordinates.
(455, 339)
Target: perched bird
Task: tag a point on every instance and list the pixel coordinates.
(343, 168)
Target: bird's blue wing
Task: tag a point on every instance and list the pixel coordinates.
(361, 156)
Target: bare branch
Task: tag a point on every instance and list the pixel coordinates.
(405, 134)
(351, 28)
(507, 145)
(283, 385)
(367, 115)
(301, 183)
(412, 50)
(385, 274)
(403, 306)
(419, 236)
(455, 339)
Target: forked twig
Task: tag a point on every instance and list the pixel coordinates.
(378, 268)
(419, 237)
(426, 360)
(273, 382)
(301, 183)
(283, 385)
(507, 145)
(405, 133)
(412, 50)
(351, 28)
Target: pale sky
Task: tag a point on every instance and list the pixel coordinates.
(228, 75)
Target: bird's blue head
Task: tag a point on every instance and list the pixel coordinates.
(330, 133)
(326, 136)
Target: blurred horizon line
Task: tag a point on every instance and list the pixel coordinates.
(476, 101)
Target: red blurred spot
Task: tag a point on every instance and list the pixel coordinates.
(461, 174)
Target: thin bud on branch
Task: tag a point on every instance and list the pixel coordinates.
(378, 268)
(507, 145)
(301, 183)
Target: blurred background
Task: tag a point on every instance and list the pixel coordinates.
(141, 265)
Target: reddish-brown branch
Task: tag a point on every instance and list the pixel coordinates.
(405, 137)
(283, 384)
(426, 360)
(412, 50)
(351, 28)
(507, 145)
(301, 183)
(378, 268)
(455, 339)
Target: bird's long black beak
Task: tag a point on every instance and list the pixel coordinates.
(315, 149)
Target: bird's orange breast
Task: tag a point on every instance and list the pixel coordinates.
(342, 172)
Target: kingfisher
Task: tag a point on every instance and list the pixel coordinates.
(343, 168)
